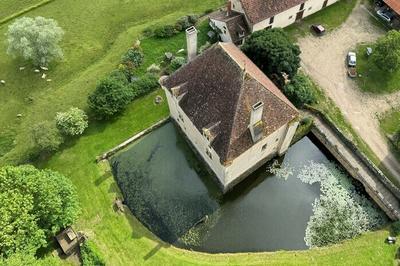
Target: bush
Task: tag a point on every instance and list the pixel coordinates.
(148, 32)
(395, 228)
(73, 122)
(46, 137)
(35, 39)
(177, 63)
(182, 24)
(154, 69)
(134, 56)
(386, 54)
(300, 91)
(110, 97)
(166, 31)
(144, 85)
(90, 255)
(120, 75)
(193, 19)
(35, 205)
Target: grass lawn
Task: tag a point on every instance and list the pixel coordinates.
(98, 32)
(330, 17)
(390, 122)
(96, 37)
(9, 7)
(372, 78)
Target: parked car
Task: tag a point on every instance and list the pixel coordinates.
(385, 15)
(351, 59)
(318, 29)
(352, 72)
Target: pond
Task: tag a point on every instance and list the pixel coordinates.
(167, 189)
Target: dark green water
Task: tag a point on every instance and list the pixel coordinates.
(165, 188)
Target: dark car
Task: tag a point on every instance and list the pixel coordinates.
(318, 29)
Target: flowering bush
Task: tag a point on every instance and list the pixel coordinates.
(73, 122)
(341, 212)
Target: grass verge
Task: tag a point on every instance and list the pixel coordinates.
(371, 78)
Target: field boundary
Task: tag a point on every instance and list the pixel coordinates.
(23, 11)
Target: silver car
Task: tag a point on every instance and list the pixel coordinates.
(384, 15)
(351, 59)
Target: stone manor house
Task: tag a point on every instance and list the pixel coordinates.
(243, 17)
(232, 114)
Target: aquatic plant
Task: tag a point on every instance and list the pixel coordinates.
(282, 171)
(341, 212)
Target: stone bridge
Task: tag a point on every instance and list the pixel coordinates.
(376, 184)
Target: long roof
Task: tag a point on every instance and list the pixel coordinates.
(259, 10)
(394, 5)
(219, 88)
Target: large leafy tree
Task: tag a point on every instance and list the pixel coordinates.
(300, 90)
(34, 205)
(46, 137)
(274, 53)
(387, 51)
(110, 97)
(35, 39)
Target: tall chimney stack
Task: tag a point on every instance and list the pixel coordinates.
(191, 40)
(228, 8)
(256, 124)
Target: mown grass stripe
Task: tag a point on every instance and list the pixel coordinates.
(23, 11)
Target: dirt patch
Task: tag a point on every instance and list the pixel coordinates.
(324, 60)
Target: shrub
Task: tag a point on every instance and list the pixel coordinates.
(148, 32)
(183, 23)
(110, 97)
(28, 259)
(35, 39)
(133, 56)
(154, 69)
(46, 137)
(300, 91)
(193, 19)
(120, 75)
(166, 31)
(91, 255)
(73, 122)
(177, 63)
(35, 205)
(144, 85)
(395, 228)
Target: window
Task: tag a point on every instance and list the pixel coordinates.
(302, 6)
(271, 20)
(264, 147)
(310, 8)
(290, 17)
(181, 118)
(277, 139)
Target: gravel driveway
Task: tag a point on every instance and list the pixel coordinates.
(324, 60)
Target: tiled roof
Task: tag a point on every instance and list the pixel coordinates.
(221, 86)
(394, 5)
(235, 22)
(259, 10)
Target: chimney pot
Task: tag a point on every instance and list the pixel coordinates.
(191, 39)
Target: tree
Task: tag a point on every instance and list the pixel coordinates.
(110, 97)
(35, 39)
(73, 122)
(34, 206)
(273, 52)
(387, 51)
(46, 137)
(28, 259)
(300, 91)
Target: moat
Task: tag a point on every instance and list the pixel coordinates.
(168, 190)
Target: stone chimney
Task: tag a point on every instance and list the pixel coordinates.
(191, 39)
(256, 124)
(228, 8)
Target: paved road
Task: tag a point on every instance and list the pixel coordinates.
(324, 60)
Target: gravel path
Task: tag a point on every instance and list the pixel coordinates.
(324, 60)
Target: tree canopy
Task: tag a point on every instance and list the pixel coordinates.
(300, 91)
(46, 137)
(34, 205)
(274, 53)
(73, 122)
(35, 39)
(387, 51)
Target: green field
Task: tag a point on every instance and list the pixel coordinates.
(372, 78)
(97, 34)
(390, 122)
